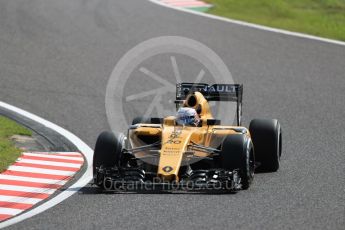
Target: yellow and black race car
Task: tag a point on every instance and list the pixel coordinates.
(190, 150)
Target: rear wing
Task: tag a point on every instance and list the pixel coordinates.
(216, 92)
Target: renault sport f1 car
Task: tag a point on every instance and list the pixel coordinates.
(191, 149)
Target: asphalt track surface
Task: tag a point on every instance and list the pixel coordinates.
(56, 58)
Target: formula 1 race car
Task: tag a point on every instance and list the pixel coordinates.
(190, 150)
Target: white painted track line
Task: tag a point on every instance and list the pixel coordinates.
(32, 176)
(27, 189)
(53, 156)
(40, 170)
(21, 160)
(10, 211)
(66, 153)
(81, 182)
(32, 179)
(252, 25)
(19, 199)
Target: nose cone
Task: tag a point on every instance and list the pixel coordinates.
(174, 144)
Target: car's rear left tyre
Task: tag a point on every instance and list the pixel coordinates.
(237, 153)
(267, 140)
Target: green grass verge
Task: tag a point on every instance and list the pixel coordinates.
(8, 152)
(325, 18)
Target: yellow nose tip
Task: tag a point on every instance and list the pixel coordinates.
(168, 177)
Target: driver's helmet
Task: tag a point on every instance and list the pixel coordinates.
(187, 116)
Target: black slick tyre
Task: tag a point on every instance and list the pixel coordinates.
(237, 153)
(267, 140)
(108, 150)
